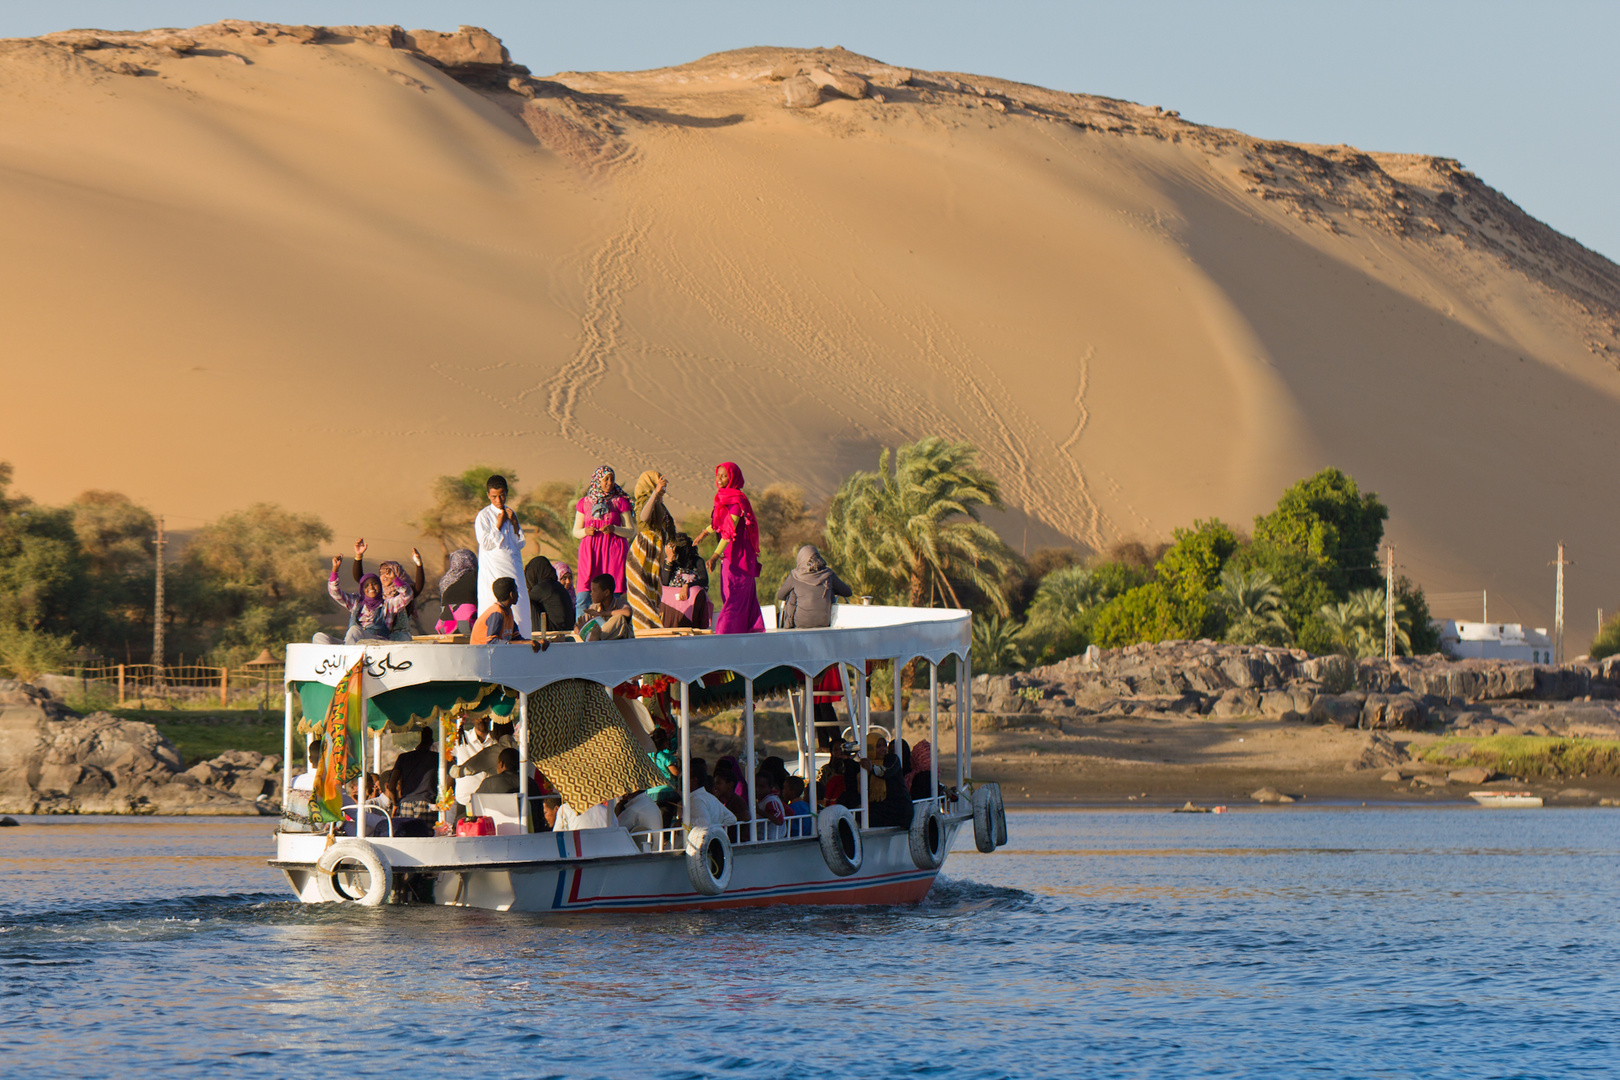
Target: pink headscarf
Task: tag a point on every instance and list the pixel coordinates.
(729, 502)
(922, 760)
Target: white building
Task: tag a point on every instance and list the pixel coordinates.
(1493, 641)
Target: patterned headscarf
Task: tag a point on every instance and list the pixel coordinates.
(457, 565)
(400, 582)
(662, 524)
(602, 497)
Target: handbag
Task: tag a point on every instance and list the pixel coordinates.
(670, 597)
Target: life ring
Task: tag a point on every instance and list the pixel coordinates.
(984, 817)
(1000, 816)
(840, 840)
(708, 859)
(927, 837)
(374, 862)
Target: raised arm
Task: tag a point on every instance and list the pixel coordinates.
(421, 572)
(333, 589)
(359, 557)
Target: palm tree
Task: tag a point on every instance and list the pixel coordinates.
(996, 645)
(1254, 604)
(1356, 625)
(456, 501)
(1064, 595)
(905, 536)
(549, 511)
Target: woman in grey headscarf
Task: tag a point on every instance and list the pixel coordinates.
(806, 595)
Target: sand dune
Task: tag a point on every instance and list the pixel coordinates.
(320, 267)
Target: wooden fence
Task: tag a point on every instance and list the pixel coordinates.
(173, 680)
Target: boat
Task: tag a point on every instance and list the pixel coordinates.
(1505, 798)
(835, 856)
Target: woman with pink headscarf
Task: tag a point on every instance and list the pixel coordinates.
(603, 525)
(738, 554)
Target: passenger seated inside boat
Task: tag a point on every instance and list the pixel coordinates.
(668, 764)
(887, 796)
(838, 783)
(566, 819)
(504, 780)
(476, 756)
(606, 617)
(305, 781)
(797, 807)
(376, 819)
(724, 787)
(419, 769)
(706, 809)
(406, 816)
(637, 813)
(770, 812)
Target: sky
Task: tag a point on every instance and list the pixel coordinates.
(1524, 94)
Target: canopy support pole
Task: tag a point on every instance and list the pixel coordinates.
(862, 751)
(523, 760)
(686, 756)
(798, 729)
(444, 815)
(748, 737)
(961, 669)
(360, 784)
(286, 753)
(899, 711)
(933, 732)
(967, 717)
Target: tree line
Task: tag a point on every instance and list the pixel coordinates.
(910, 531)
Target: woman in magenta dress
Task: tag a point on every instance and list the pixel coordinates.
(738, 554)
(603, 524)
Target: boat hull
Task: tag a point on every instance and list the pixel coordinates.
(602, 870)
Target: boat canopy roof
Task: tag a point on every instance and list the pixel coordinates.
(859, 633)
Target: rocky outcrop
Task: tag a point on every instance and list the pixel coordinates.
(1222, 681)
(1378, 753)
(246, 774)
(53, 760)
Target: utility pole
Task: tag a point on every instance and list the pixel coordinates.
(1389, 602)
(157, 611)
(1558, 608)
(1484, 605)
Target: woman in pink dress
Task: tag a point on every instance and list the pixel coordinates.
(738, 554)
(603, 523)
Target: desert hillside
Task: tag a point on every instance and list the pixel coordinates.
(319, 266)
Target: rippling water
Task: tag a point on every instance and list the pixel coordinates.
(1389, 942)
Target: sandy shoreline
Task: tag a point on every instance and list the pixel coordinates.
(1170, 762)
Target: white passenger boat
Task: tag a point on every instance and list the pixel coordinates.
(834, 857)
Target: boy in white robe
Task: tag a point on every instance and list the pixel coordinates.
(500, 552)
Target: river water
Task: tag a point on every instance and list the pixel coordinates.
(1329, 942)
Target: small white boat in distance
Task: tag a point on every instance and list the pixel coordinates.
(835, 857)
(1505, 798)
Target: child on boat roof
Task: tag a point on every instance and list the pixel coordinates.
(371, 614)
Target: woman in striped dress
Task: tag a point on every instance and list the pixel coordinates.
(655, 528)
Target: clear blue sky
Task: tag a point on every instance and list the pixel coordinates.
(1525, 94)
